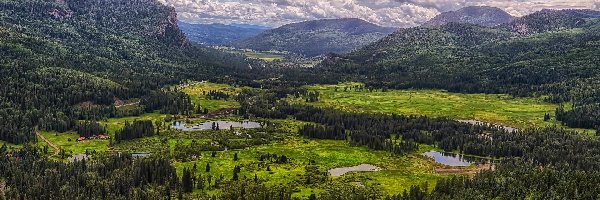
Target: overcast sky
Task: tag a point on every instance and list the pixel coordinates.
(396, 13)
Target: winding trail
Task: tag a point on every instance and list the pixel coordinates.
(56, 149)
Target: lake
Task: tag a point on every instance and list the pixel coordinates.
(360, 168)
(224, 125)
(454, 160)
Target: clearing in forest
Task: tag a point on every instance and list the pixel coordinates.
(499, 109)
(199, 94)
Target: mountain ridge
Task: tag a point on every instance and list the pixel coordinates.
(480, 15)
(317, 37)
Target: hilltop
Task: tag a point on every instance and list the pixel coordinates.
(312, 38)
(479, 15)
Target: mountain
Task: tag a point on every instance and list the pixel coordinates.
(312, 38)
(550, 20)
(60, 54)
(219, 34)
(550, 52)
(480, 15)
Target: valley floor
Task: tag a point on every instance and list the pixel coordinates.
(497, 109)
(398, 172)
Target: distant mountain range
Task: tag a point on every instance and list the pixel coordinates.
(480, 15)
(219, 34)
(312, 38)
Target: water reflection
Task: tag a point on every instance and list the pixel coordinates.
(454, 160)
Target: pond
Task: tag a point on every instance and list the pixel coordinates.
(225, 125)
(360, 168)
(454, 160)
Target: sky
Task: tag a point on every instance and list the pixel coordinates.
(392, 13)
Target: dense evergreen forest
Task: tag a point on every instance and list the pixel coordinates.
(63, 61)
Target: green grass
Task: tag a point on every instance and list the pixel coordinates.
(400, 172)
(10, 145)
(68, 143)
(268, 57)
(494, 108)
(114, 124)
(195, 91)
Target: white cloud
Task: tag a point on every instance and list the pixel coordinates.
(398, 13)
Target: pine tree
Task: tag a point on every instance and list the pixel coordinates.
(207, 167)
(186, 181)
(200, 184)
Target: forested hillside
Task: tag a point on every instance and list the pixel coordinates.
(313, 38)
(480, 15)
(57, 54)
(549, 52)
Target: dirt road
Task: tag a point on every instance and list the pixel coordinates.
(56, 149)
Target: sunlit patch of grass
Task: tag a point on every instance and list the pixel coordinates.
(114, 124)
(327, 154)
(68, 142)
(198, 90)
(494, 108)
(268, 57)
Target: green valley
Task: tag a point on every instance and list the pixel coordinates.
(498, 109)
(110, 99)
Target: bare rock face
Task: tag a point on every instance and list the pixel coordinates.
(480, 15)
(169, 29)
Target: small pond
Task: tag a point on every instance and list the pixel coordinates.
(223, 125)
(360, 168)
(454, 160)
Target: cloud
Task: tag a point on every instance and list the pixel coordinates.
(396, 13)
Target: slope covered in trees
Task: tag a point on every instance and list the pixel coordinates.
(313, 38)
(546, 53)
(480, 15)
(57, 54)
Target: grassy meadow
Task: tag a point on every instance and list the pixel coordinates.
(398, 172)
(112, 125)
(196, 92)
(267, 57)
(68, 142)
(494, 108)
